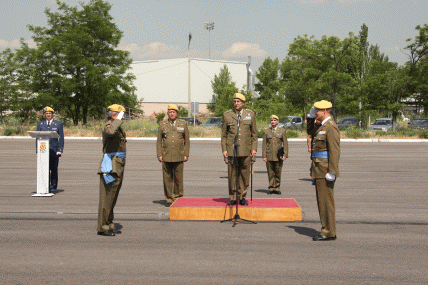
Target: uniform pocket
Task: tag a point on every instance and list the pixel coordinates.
(321, 164)
(118, 165)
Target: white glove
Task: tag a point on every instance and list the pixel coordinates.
(312, 114)
(58, 153)
(120, 116)
(330, 177)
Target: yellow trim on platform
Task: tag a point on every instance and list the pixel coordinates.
(228, 212)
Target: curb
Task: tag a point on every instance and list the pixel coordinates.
(218, 139)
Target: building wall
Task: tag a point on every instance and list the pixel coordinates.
(160, 82)
(150, 109)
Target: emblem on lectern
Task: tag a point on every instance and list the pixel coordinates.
(43, 147)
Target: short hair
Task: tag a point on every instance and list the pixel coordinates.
(110, 114)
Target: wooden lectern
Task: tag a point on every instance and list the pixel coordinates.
(43, 161)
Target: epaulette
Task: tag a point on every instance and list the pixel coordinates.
(249, 110)
(228, 111)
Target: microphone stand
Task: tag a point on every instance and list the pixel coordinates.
(235, 162)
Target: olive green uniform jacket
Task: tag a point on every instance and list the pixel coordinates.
(326, 138)
(173, 141)
(114, 140)
(273, 141)
(247, 132)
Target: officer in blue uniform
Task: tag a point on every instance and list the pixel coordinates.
(56, 146)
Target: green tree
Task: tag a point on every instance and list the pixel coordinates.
(271, 99)
(269, 84)
(76, 66)
(223, 89)
(404, 80)
(418, 67)
(8, 86)
(319, 69)
(14, 91)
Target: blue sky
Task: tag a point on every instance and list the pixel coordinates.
(159, 29)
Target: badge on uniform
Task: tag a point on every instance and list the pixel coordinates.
(165, 131)
(321, 133)
(180, 129)
(248, 117)
(230, 122)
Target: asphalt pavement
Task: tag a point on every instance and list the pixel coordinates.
(381, 212)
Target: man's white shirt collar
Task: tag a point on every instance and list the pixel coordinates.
(325, 120)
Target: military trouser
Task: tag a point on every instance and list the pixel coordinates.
(108, 198)
(326, 208)
(244, 164)
(172, 180)
(274, 169)
(53, 170)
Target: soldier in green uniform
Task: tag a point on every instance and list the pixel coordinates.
(325, 168)
(243, 120)
(275, 151)
(111, 169)
(173, 148)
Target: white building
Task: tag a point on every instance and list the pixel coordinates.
(161, 82)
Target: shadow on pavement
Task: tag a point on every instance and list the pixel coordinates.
(160, 202)
(118, 226)
(305, 231)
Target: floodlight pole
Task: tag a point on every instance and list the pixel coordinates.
(188, 77)
(209, 26)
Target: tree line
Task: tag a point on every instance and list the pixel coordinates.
(351, 73)
(76, 68)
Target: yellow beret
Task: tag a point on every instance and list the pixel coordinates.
(116, 108)
(172, 107)
(239, 96)
(48, 109)
(274, 117)
(323, 104)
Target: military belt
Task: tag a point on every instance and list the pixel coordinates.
(320, 154)
(106, 165)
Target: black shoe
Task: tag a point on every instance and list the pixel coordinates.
(269, 193)
(278, 192)
(244, 202)
(321, 238)
(117, 232)
(232, 202)
(53, 191)
(106, 233)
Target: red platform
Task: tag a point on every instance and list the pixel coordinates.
(285, 209)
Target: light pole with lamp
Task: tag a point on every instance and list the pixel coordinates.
(188, 49)
(209, 26)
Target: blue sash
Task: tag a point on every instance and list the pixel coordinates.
(106, 165)
(320, 154)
